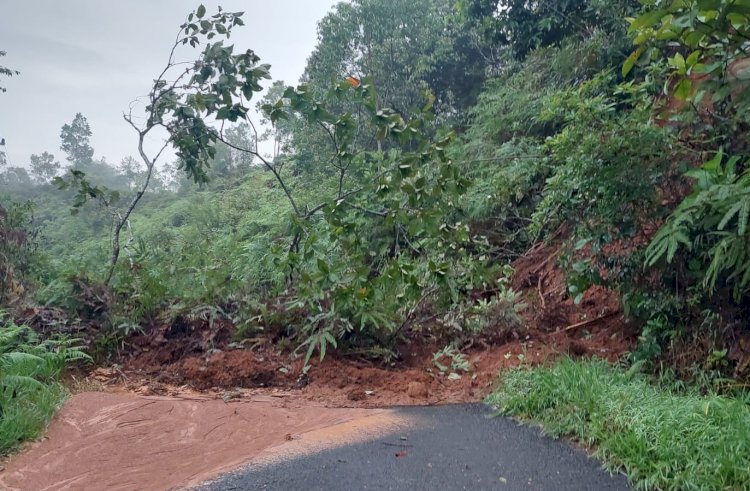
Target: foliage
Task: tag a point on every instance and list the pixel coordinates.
(455, 362)
(17, 247)
(495, 317)
(700, 249)
(75, 138)
(29, 389)
(345, 283)
(664, 316)
(524, 26)
(44, 167)
(380, 249)
(404, 47)
(705, 46)
(608, 162)
(660, 438)
(84, 190)
(371, 215)
(6, 72)
(713, 224)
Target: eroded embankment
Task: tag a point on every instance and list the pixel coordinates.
(127, 442)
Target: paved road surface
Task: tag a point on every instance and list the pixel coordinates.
(453, 448)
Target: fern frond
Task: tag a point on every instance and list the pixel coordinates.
(75, 354)
(10, 384)
(18, 363)
(675, 239)
(729, 215)
(744, 217)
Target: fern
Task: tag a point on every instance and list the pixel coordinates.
(711, 223)
(29, 390)
(668, 239)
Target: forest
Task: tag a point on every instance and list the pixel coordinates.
(450, 178)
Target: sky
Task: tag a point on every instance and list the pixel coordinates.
(96, 57)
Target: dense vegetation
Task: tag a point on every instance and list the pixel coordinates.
(429, 145)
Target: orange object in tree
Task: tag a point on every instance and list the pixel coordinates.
(353, 81)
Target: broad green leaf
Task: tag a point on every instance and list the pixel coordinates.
(630, 61)
(683, 89)
(649, 19)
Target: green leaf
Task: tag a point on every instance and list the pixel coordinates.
(678, 61)
(648, 19)
(693, 58)
(744, 217)
(201, 11)
(630, 61)
(682, 91)
(310, 350)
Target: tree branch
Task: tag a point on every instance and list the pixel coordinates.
(270, 167)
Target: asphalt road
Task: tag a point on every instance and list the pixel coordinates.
(453, 448)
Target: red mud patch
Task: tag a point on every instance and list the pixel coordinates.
(346, 382)
(342, 382)
(122, 441)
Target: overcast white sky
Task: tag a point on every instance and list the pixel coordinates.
(95, 57)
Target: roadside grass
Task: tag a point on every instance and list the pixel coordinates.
(30, 391)
(660, 438)
(25, 417)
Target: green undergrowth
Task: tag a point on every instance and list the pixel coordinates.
(660, 437)
(30, 391)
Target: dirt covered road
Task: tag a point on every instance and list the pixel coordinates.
(127, 442)
(123, 441)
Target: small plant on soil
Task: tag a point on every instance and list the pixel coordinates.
(449, 361)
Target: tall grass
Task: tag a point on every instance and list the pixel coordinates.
(30, 393)
(660, 438)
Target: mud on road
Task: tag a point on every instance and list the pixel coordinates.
(128, 442)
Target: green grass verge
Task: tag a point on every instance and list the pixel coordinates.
(25, 416)
(30, 391)
(660, 438)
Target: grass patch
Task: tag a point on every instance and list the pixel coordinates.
(30, 392)
(660, 438)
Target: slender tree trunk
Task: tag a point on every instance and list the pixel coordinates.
(122, 220)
